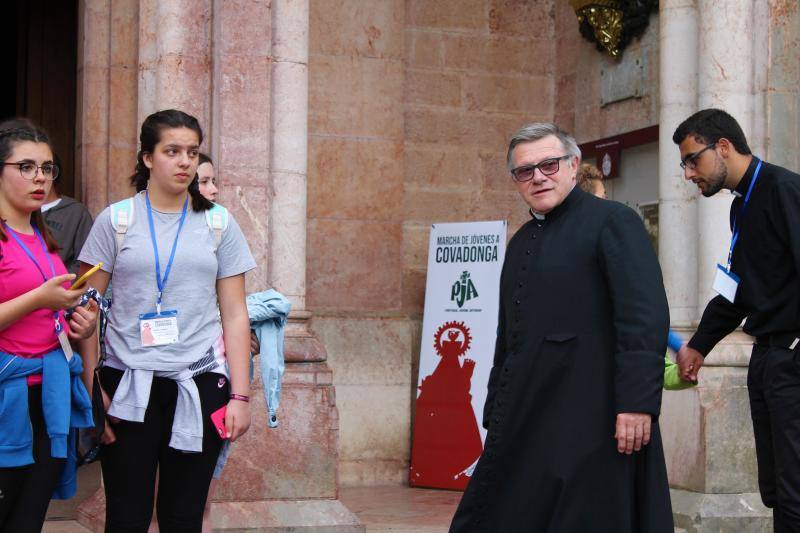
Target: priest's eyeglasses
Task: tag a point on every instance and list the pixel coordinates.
(29, 170)
(548, 167)
(690, 161)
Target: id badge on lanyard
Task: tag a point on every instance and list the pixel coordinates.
(158, 329)
(61, 335)
(726, 283)
(161, 328)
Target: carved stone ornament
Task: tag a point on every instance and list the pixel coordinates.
(612, 24)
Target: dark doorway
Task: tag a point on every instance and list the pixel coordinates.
(41, 44)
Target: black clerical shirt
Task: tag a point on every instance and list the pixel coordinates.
(766, 258)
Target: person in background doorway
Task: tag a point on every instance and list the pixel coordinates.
(207, 177)
(68, 221)
(590, 179)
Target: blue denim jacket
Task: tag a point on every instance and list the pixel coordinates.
(268, 311)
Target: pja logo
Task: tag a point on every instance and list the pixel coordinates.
(463, 290)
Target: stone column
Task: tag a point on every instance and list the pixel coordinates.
(91, 158)
(107, 100)
(724, 81)
(677, 239)
(707, 433)
(175, 57)
(288, 213)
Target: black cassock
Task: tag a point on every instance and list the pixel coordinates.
(582, 335)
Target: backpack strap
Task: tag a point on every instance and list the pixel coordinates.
(121, 219)
(217, 220)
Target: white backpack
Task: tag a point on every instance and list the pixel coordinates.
(122, 214)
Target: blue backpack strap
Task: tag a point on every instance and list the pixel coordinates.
(217, 220)
(121, 218)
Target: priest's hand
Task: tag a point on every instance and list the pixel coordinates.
(633, 432)
(689, 362)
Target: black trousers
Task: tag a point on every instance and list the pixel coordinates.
(130, 464)
(773, 381)
(25, 491)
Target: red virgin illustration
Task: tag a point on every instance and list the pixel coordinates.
(447, 442)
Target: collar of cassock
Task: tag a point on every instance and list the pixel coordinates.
(560, 208)
(741, 190)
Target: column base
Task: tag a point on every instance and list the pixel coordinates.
(300, 344)
(264, 516)
(697, 512)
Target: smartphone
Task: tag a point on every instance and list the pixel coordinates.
(81, 280)
(218, 419)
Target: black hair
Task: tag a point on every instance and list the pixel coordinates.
(709, 126)
(150, 136)
(204, 158)
(17, 130)
(57, 163)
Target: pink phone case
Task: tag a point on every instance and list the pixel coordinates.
(218, 419)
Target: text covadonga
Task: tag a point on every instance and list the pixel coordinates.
(466, 248)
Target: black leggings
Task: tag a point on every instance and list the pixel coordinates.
(25, 491)
(142, 448)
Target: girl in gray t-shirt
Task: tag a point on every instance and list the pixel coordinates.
(165, 372)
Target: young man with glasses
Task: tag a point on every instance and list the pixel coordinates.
(760, 283)
(574, 394)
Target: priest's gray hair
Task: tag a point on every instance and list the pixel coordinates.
(539, 130)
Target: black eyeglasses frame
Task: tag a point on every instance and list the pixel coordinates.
(538, 166)
(690, 160)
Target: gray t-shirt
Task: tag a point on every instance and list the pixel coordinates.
(190, 289)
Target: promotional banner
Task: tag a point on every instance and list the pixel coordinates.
(459, 329)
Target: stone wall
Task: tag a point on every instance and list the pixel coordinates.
(578, 81)
(781, 89)
(355, 192)
(411, 106)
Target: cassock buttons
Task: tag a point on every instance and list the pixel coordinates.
(517, 302)
(527, 252)
(520, 284)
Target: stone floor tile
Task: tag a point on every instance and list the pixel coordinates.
(399, 509)
(63, 526)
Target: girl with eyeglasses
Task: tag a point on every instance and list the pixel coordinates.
(42, 397)
(165, 371)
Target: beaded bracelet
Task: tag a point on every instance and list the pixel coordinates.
(240, 397)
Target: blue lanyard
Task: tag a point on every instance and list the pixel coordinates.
(36, 262)
(159, 281)
(739, 217)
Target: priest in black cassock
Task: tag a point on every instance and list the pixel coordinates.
(573, 444)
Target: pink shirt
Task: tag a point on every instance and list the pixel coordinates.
(34, 334)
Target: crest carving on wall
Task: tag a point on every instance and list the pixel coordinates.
(612, 24)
